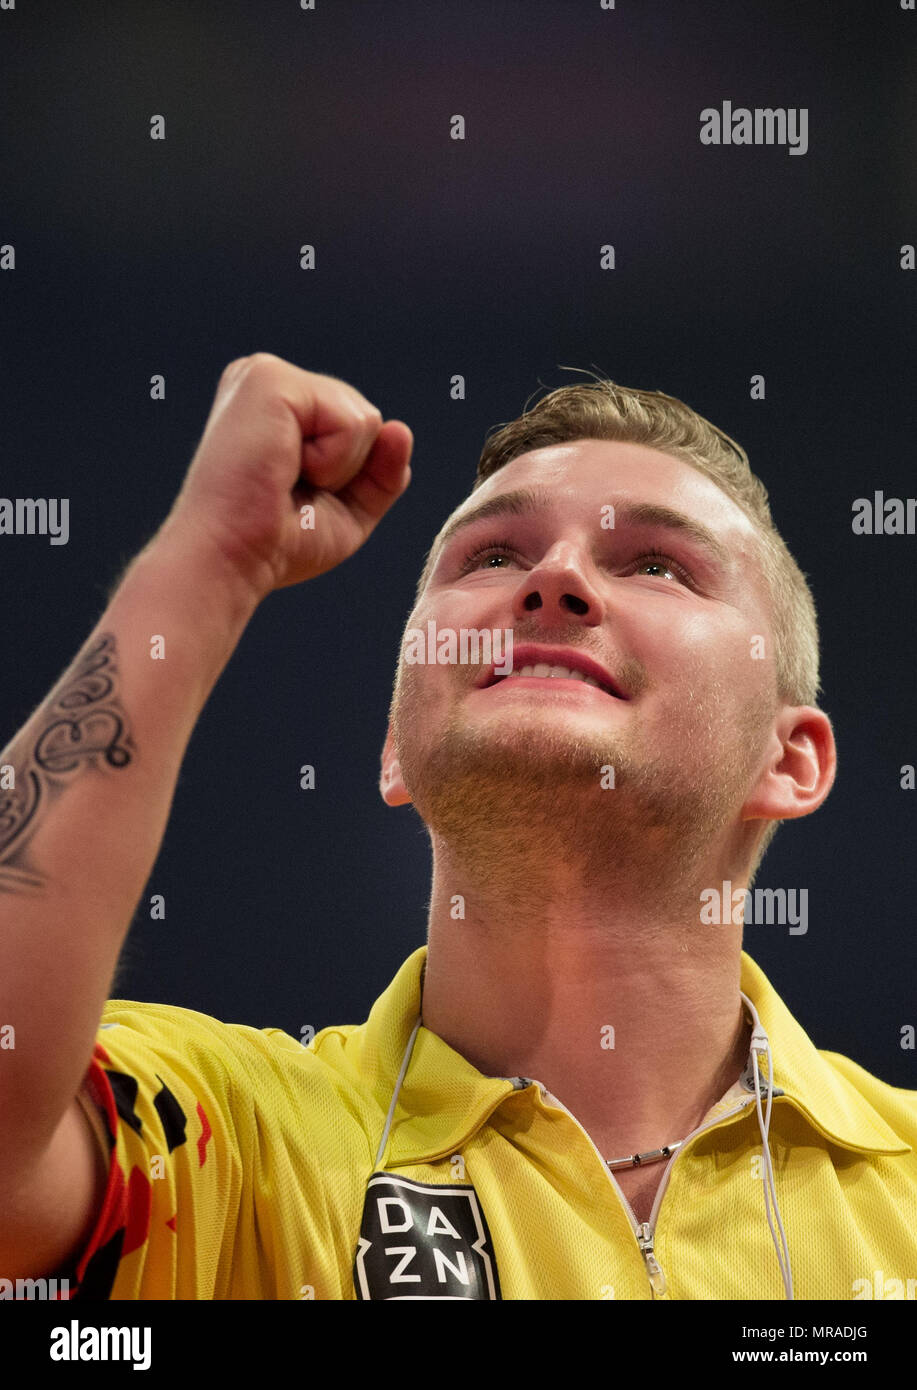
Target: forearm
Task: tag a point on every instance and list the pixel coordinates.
(95, 769)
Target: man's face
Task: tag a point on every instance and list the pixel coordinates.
(675, 634)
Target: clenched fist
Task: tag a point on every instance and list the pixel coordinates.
(279, 439)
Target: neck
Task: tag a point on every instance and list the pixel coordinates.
(545, 963)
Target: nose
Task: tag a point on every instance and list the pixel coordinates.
(558, 587)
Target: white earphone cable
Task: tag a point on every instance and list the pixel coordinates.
(759, 1044)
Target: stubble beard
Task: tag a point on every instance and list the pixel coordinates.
(516, 795)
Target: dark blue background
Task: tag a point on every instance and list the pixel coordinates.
(437, 257)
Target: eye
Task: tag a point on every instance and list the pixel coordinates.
(493, 548)
(667, 562)
(488, 549)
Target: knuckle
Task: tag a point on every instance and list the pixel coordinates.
(260, 363)
(366, 417)
(260, 375)
(351, 413)
(234, 366)
(229, 372)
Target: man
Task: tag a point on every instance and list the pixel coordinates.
(580, 1088)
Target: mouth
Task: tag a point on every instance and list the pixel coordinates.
(553, 665)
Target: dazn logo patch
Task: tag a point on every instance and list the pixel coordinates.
(423, 1241)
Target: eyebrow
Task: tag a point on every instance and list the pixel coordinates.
(524, 501)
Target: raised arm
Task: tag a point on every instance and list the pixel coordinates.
(87, 783)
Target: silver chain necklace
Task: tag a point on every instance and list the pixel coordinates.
(651, 1156)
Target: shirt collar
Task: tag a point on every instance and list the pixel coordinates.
(444, 1100)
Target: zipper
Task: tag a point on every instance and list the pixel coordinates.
(644, 1234)
(645, 1231)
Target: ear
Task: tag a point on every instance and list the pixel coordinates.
(800, 767)
(391, 787)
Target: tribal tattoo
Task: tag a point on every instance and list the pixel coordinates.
(81, 725)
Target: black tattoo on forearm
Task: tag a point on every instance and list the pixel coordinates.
(82, 724)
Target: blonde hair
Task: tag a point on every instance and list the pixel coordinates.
(603, 409)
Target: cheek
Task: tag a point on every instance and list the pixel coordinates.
(703, 681)
(675, 651)
(419, 692)
(487, 603)
(698, 646)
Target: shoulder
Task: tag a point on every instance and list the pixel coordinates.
(243, 1069)
(194, 1040)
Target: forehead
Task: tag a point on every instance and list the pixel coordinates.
(589, 473)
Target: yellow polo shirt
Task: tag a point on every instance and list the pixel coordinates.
(242, 1164)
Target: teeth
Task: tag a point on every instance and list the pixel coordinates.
(543, 669)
